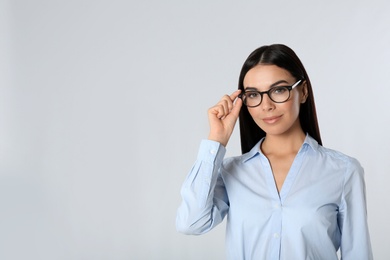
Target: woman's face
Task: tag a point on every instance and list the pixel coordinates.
(275, 118)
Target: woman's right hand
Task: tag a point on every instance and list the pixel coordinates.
(223, 117)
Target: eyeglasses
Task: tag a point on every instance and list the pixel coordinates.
(279, 94)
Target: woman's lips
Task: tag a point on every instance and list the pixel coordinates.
(271, 119)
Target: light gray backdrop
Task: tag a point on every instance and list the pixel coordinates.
(103, 105)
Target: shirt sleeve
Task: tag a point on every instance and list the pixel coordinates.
(204, 198)
(355, 238)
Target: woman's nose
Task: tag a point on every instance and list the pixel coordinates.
(267, 104)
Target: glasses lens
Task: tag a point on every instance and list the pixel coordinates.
(279, 94)
(252, 98)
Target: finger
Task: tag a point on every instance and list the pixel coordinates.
(218, 111)
(235, 103)
(235, 95)
(222, 111)
(227, 103)
(237, 107)
(223, 107)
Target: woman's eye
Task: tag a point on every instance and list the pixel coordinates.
(279, 90)
(252, 94)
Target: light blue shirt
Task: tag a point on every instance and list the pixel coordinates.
(320, 208)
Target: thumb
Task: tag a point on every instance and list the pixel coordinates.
(236, 107)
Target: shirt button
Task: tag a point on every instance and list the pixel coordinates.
(213, 151)
(276, 235)
(277, 206)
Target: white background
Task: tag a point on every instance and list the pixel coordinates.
(103, 105)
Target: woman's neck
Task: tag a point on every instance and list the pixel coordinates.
(283, 144)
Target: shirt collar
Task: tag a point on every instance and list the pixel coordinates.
(255, 151)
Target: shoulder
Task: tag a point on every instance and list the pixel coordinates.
(233, 161)
(240, 161)
(338, 160)
(329, 155)
(331, 160)
(338, 156)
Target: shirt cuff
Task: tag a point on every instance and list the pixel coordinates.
(211, 151)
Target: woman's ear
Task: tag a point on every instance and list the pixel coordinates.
(304, 92)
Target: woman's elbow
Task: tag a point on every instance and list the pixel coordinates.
(187, 227)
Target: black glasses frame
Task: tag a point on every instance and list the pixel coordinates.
(289, 88)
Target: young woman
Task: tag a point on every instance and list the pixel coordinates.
(286, 197)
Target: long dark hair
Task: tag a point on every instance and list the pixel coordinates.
(283, 57)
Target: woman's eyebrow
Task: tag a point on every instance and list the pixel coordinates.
(278, 82)
(273, 85)
(250, 89)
